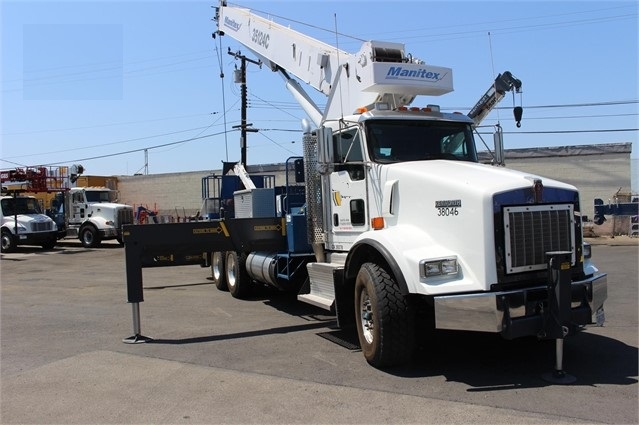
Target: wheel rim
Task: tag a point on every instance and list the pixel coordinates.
(217, 265)
(366, 316)
(230, 270)
(88, 237)
(6, 241)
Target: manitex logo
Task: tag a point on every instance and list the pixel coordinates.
(232, 24)
(400, 73)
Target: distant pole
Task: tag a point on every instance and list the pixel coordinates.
(146, 162)
(243, 124)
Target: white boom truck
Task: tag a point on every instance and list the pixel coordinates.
(91, 214)
(401, 215)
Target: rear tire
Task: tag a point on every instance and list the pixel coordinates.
(8, 241)
(237, 279)
(218, 271)
(385, 321)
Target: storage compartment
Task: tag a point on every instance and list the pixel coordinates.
(254, 203)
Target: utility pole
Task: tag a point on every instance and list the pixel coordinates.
(242, 80)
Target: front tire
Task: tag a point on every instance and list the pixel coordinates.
(50, 244)
(237, 279)
(8, 241)
(385, 321)
(89, 237)
(218, 271)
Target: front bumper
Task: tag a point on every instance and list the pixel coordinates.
(109, 233)
(519, 312)
(39, 238)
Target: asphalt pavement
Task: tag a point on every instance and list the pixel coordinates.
(271, 359)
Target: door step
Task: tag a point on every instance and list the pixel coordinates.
(317, 301)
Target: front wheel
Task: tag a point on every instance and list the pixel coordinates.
(8, 241)
(385, 322)
(50, 243)
(89, 237)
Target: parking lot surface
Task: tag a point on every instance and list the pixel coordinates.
(271, 359)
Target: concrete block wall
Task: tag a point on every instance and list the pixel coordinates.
(596, 176)
(174, 194)
(178, 195)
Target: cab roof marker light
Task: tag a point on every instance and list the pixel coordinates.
(434, 108)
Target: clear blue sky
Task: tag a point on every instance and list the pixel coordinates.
(88, 81)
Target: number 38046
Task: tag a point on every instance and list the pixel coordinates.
(447, 211)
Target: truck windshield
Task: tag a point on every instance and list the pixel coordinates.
(98, 196)
(417, 140)
(20, 206)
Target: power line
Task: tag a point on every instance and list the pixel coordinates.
(132, 150)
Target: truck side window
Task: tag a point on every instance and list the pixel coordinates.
(358, 213)
(347, 153)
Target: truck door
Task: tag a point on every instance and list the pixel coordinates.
(78, 207)
(348, 207)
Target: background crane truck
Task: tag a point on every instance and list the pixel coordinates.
(90, 214)
(388, 214)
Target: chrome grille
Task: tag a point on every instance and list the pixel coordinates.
(41, 226)
(532, 231)
(125, 216)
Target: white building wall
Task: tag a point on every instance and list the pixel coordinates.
(174, 194)
(596, 176)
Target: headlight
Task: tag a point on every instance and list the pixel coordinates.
(438, 267)
(587, 250)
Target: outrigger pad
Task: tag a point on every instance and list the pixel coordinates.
(137, 339)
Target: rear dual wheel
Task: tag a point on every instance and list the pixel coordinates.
(218, 271)
(237, 279)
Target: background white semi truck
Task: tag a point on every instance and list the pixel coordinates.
(91, 214)
(388, 217)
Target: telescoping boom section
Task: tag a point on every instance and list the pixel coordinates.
(378, 72)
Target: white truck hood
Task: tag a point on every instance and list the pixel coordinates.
(479, 178)
(445, 208)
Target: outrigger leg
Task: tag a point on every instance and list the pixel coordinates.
(559, 310)
(137, 337)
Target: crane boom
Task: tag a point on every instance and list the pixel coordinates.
(503, 83)
(379, 72)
